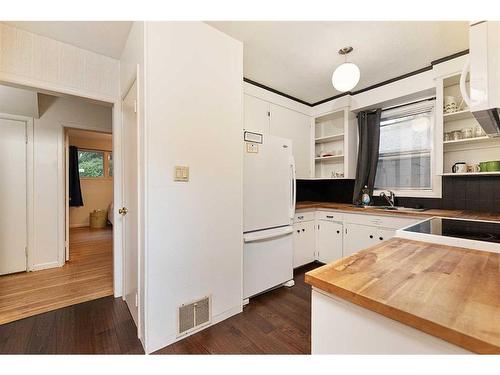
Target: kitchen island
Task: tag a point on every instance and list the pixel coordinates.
(407, 297)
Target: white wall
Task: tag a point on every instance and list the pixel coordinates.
(132, 67)
(36, 61)
(18, 101)
(194, 117)
(55, 113)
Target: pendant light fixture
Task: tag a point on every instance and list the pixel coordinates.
(346, 76)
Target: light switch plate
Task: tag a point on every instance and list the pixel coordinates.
(181, 173)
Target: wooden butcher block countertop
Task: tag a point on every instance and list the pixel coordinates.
(448, 292)
(377, 211)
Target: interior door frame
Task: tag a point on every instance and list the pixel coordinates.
(115, 101)
(29, 185)
(66, 126)
(134, 80)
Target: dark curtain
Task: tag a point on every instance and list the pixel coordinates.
(369, 140)
(75, 191)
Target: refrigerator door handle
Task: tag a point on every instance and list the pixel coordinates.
(259, 236)
(293, 182)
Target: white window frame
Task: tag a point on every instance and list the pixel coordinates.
(436, 182)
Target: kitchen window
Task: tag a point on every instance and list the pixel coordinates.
(406, 162)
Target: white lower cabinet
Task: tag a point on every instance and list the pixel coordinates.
(326, 236)
(329, 241)
(358, 237)
(303, 243)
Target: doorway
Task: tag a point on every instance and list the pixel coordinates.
(89, 188)
(39, 274)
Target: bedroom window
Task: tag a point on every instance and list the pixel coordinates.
(407, 152)
(95, 164)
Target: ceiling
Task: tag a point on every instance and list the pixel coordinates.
(298, 57)
(104, 37)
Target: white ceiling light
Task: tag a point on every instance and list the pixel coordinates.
(346, 76)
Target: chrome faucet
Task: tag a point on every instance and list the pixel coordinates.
(390, 199)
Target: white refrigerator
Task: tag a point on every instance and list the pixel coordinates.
(269, 190)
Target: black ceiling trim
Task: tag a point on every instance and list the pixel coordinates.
(275, 91)
(331, 98)
(451, 57)
(398, 78)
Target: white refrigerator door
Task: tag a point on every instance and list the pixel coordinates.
(268, 184)
(267, 259)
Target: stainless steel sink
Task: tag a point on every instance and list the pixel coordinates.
(392, 208)
(401, 208)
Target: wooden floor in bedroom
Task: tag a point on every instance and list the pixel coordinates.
(88, 275)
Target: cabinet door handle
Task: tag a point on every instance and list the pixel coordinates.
(303, 230)
(381, 238)
(338, 231)
(298, 231)
(329, 216)
(300, 217)
(371, 235)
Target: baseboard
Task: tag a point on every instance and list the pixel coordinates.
(44, 266)
(78, 225)
(153, 347)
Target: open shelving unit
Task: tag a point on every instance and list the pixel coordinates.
(467, 150)
(335, 135)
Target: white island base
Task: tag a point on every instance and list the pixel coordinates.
(341, 327)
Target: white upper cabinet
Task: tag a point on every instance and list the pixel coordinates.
(265, 118)
(256, 114)
(335, 145)
(296, 126)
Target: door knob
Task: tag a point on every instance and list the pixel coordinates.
(123, 211)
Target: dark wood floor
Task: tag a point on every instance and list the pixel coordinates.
(101, 326)
(277, 322)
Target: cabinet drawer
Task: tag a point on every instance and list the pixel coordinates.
(303, 216)
(329, 216)
(380, 221)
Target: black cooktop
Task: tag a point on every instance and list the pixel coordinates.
(468, 229)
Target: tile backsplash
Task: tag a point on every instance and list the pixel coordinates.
(459, 193)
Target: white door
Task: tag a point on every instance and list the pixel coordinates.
(13, 197)
(130, 201)
(329, 241)
(359, 237)
(297, 127)
(304, 239)
(269, 184)
(256, 115)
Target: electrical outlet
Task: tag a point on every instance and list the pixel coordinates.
(252, 148)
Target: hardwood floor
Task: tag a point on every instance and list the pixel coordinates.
(277, 322)
(102, 326)
(87, 276)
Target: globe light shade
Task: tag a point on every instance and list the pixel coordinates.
(345, 77)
